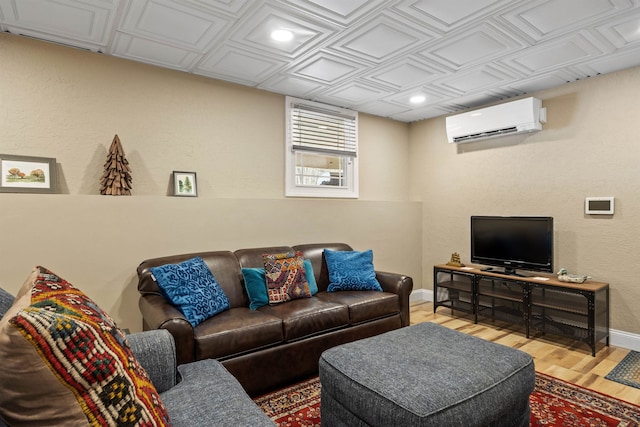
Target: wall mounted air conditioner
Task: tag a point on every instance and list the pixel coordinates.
(520, 116)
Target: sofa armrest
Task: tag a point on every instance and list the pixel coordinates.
(400, 285)
(157, 313)
(6, 301)
(208, 395)
(156, 352)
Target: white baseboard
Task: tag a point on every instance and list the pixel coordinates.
(617, 338)
(624, 339)
(421, 295)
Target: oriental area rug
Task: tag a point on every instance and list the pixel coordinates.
(553, 403)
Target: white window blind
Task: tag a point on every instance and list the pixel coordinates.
(322, 131)
(321, 150)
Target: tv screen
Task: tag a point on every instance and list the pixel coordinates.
(513, 242)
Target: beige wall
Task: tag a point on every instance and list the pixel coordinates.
(589, 147)
(417, 191)
(68, 104)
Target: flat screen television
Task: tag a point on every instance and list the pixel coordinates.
(515, 242)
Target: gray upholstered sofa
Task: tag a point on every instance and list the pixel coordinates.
(204, 390)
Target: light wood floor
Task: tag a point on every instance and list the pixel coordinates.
(556, 356)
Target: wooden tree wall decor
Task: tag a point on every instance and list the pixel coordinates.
(116, 179)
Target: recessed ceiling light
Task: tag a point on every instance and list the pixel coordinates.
(282, 35)
(417, 99)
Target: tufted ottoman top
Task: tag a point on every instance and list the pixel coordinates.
(426, 375)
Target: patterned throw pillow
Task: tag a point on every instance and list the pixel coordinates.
(351, 271)
(191, 287)
(255, 282)
(65, 362)
(286, 278)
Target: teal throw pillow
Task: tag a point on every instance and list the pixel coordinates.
(351, 271)
(311, 279)
(255, 282)
(191, 287)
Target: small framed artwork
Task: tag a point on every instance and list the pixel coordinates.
(25, 174)
(184, 184)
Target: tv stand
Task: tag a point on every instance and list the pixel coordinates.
(510, 272)
(543, 303)
(506, 271)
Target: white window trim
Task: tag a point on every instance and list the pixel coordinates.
(293, 190)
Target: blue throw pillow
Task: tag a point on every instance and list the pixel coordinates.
(255, 282)
(351, 271)
(191, 287)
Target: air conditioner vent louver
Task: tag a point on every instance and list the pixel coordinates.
(485, 135)
(520, 116)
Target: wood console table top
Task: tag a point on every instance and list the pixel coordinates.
(589, 285)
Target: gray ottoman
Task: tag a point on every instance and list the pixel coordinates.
(425, 375)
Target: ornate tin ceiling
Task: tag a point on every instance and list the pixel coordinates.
(369, 55)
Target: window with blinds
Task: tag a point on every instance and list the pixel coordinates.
(322, 150)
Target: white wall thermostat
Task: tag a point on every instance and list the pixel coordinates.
(598, 206)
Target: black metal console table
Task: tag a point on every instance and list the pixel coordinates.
(542, 302)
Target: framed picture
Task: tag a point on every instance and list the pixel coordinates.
(184, 184)
(25, 174)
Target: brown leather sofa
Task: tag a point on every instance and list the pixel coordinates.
(274, 345)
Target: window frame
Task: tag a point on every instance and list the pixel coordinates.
(350, 160)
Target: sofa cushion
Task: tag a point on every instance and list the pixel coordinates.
(351, 271)
(191, 287)
(286, 278)
(236, 331)
(309, 316)
(255, 282)
(364, 305)
(65, 362)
